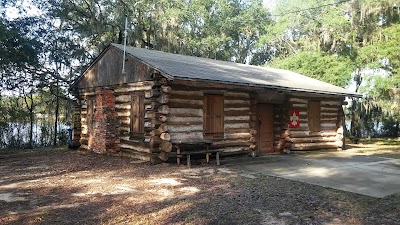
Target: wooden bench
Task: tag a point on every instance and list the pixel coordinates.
(186, 149)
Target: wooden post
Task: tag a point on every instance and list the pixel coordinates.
(178, 155)
(344, 130)
(188, 161)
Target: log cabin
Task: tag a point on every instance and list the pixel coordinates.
(141, 102)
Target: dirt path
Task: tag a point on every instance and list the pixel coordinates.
(57, 186)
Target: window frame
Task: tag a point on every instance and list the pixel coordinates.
(211, 130)
(138, 134)
(314, 115)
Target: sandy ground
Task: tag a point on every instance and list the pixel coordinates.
(59, 186)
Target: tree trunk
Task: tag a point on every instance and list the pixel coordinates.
(31, 117)
(56, 113)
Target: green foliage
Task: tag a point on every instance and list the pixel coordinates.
(341, 42)
(221, 29)
(18, 51)
(329, 68)
(328, 40)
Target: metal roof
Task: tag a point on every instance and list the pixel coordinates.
(175, 66)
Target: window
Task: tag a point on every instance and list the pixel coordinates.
(213, 126)
(314, 115)
(90, 113)
(137, 116)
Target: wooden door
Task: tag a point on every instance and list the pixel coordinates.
(265, 128)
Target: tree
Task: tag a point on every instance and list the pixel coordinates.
(341, 42)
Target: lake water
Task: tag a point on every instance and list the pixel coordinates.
(16, 135)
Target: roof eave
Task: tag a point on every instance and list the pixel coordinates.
(280, 88)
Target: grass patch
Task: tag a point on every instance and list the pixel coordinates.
(382, 147)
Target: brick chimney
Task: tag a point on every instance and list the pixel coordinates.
(105, 130)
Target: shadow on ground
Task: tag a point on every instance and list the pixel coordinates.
(56, 186)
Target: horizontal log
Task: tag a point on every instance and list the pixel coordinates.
(238, 113)
(164, 109)
(185, 105)
(185, 128)
(253, 132)
(331, 103)
(163, 127)
(312, 139)
(183, 115)
(152, 114)
(122, 107)
(299, 134)
(122, 110)
(240, 149)
(187, 136)
(242, 106)
(127, 90)
(237, 98)
(298, 100)
(155, 141)
(283, 135)
(339, 130)
(152, 106)
(237, 121)
(151, 93)
(161, 81)
(237, 94)
(163, 98)
(179, 123)
(165, 146)
(165, 136)
(185, 119)
(336, 109)
(163, 118)
(237, 130)
(163, 156)
(231, 144)
(165, 89)
(314, 146)
(237, 135)
(186, 111)
(135, 155)
(136, 147)
(245, 124)
(123, 99)
(185, 97)
(155, 132)
(176, 90)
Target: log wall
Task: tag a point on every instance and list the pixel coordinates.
(185, 120)
(331, 133)
(155, 144)
(175, 112)
(281, 118)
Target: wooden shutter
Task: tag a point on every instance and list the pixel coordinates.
(314, 115)
(137, 116)
(213, 117)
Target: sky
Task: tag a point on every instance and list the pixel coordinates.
(30, 10)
